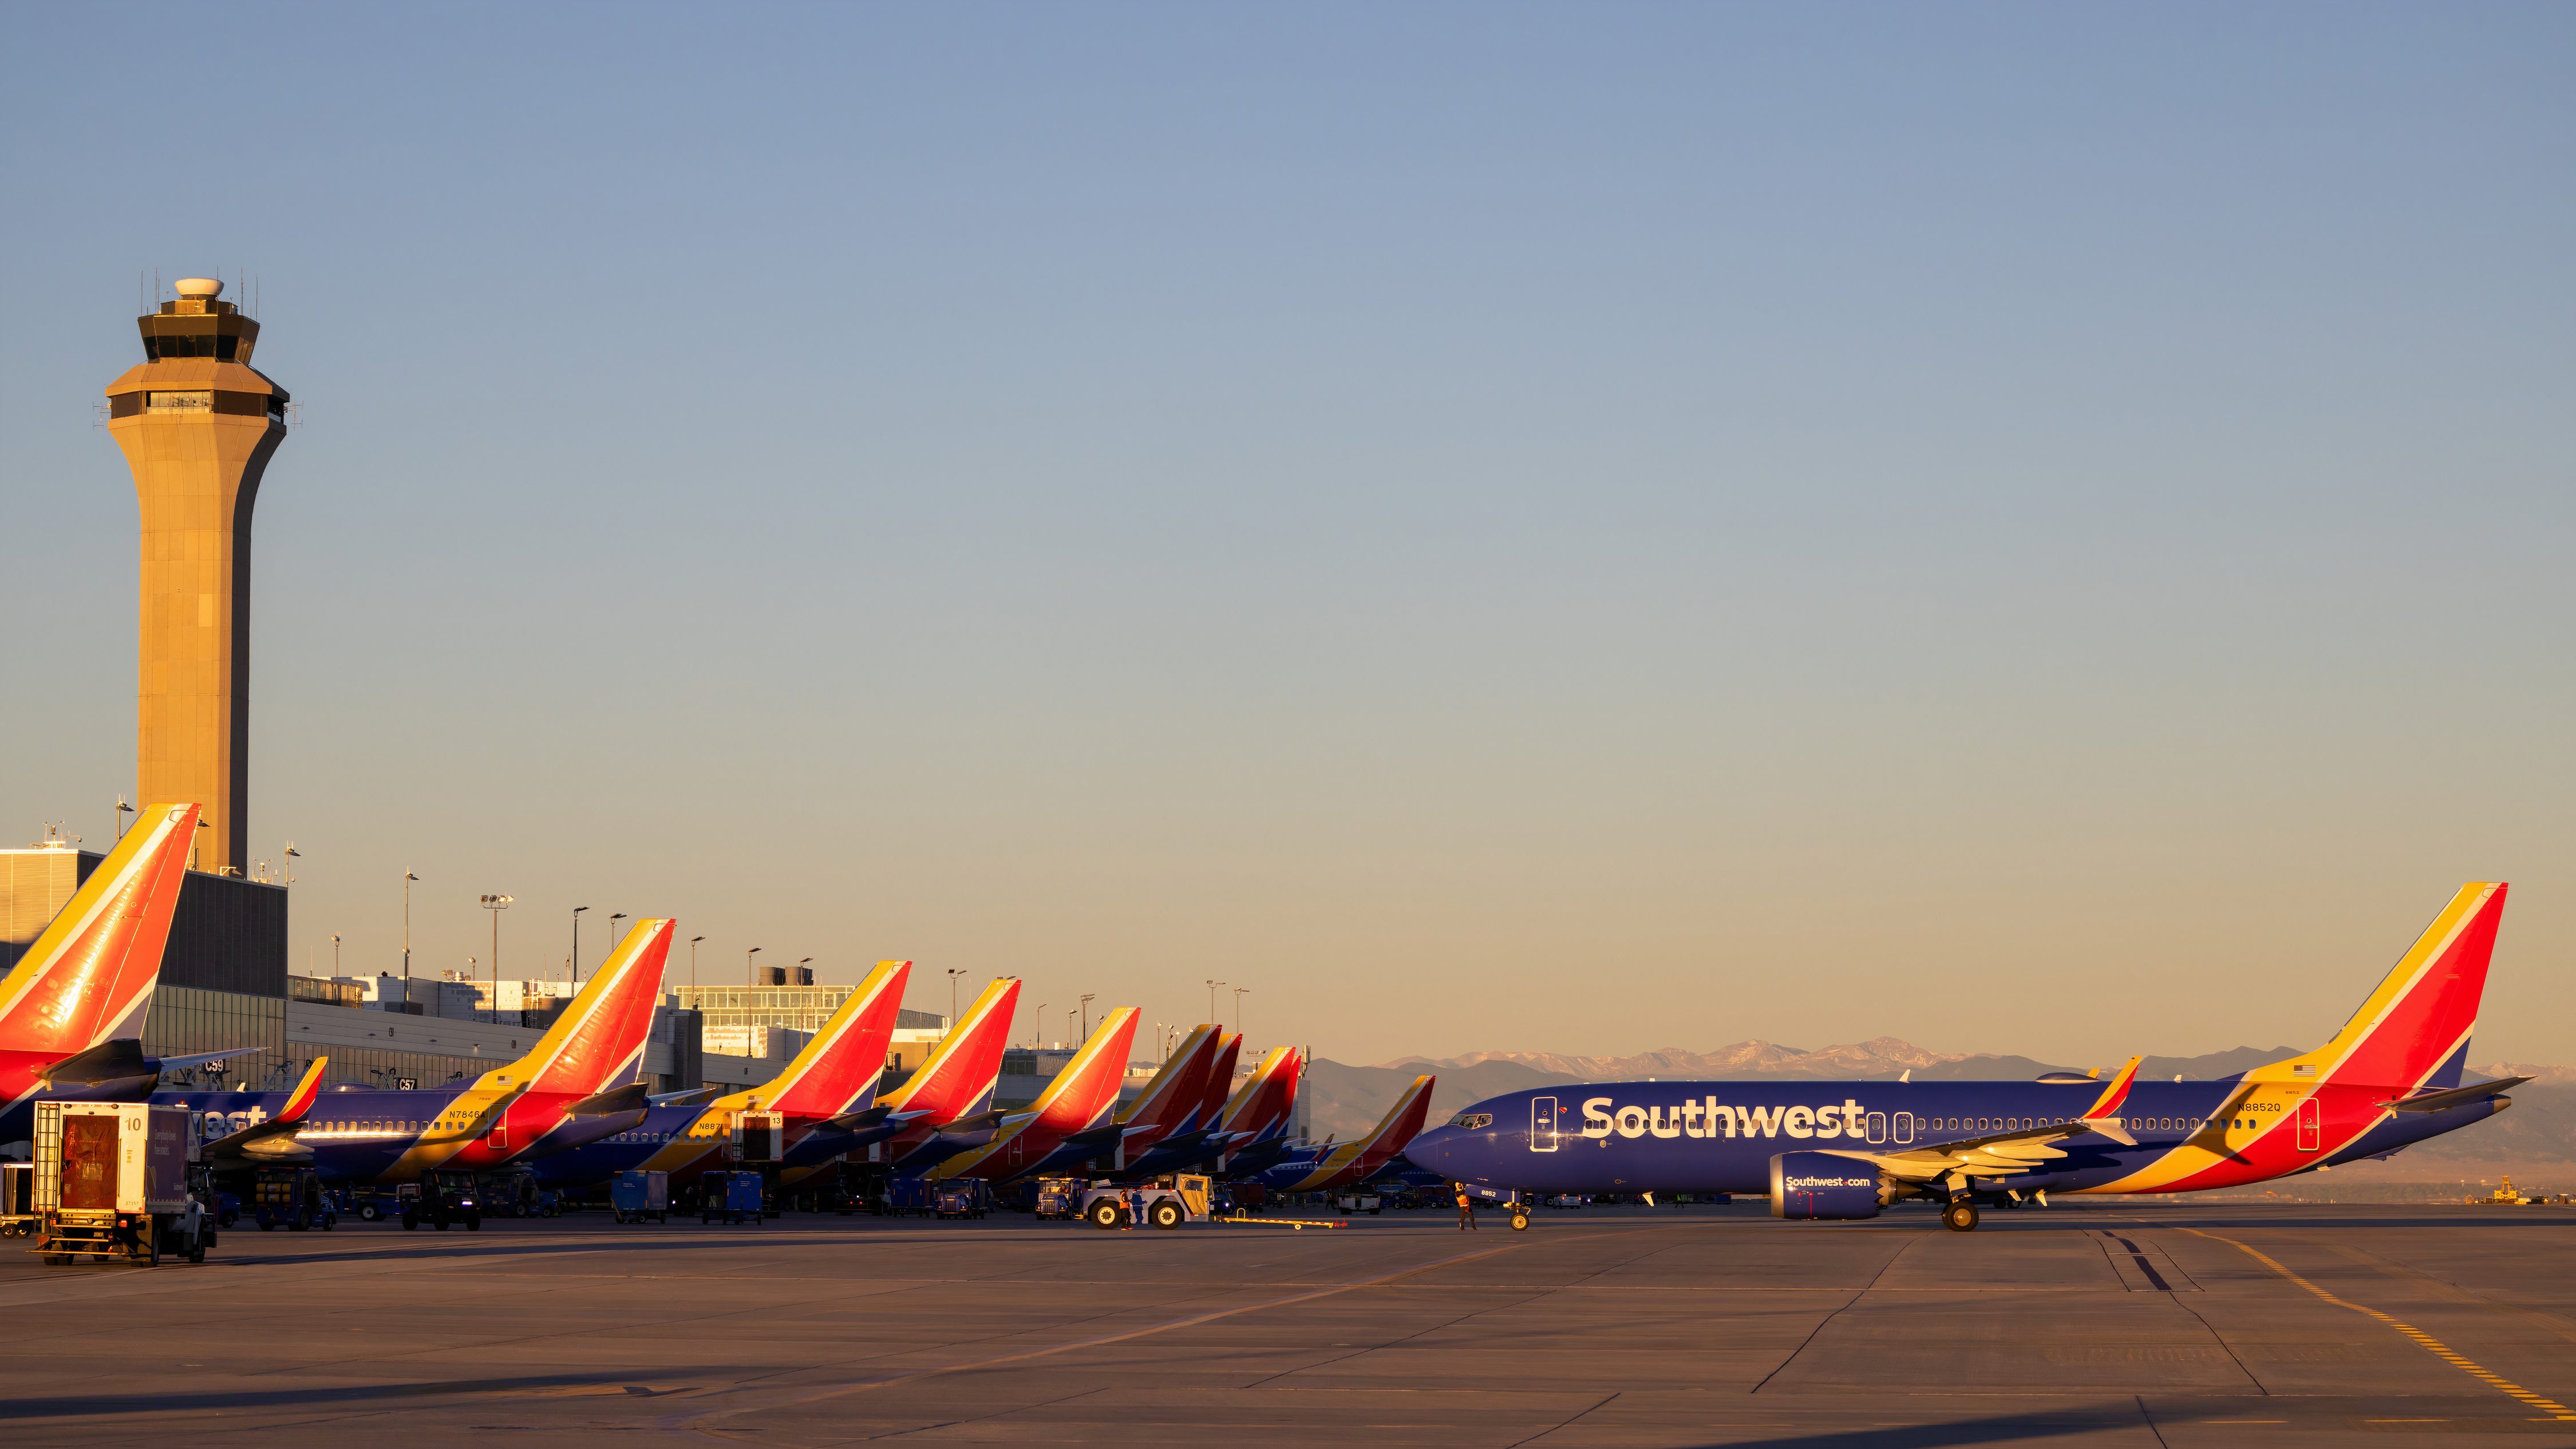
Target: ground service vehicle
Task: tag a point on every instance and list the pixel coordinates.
(909, 1197)
(966, 1197)
(1358, 1202)
(447, 1195)
(639, 1193)
(111, 1181)
(1169, 1202)
(291, 1197)
(732, 1196)
(371, 1201)
(1059, 1197)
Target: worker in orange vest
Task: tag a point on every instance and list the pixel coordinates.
(1466, 1211)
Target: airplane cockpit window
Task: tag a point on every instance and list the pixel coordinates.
(1472, 1120)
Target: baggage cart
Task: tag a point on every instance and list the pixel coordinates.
(639, 1193)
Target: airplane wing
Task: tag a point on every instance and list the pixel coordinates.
(616, 1100)
(182, 1064)
(259, 1138)
(694, 1097)
(1995, 1154)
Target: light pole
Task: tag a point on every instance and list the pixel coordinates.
(953, 973)
(335, 953)
(1212, 986)
(408, 878)
(1068, 1021)
(1086, 1016)
(693, 961)
(496, 905)
(1037, 1028)
(803, 976)
(612, 933)
(122, 810)
(748, 978)
(1238, 1007)
(292, 854)
(576, 945)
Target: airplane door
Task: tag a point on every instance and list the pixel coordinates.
(1877, 1127)
(1542, 1124)
(500, 1138)
(2311, 1124)
(1904, 1128)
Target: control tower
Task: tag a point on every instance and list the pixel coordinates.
(197, 425)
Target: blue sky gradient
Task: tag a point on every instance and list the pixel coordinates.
(1581, 529)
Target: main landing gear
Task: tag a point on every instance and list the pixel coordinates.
(1960, 1216)
(1520, 1219)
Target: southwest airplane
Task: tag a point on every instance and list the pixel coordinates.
(2389, 1078)
(1068, 1124)
(72, 1009)
(1253, 1131)
(830, 1085)
(953, 1085)
(1322, 1169)
(1193, 1140)
(1171, 1102)
(562, 1094)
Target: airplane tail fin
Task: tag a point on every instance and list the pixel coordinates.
(1219, 1084)
(1267, 1101)
(843, 1061)
(89, 976)
(2415, 1026)
(961, 1072)
(1087, 1088)
(1402, 1122)
(600, 1037)
(1174, 1093)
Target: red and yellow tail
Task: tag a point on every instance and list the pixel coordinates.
(1219, 1084)
(845, 1058)
(2290, 1115)
(963, 1069)
(1079, 1098)
(1174, 1094)
(89, 977)
(1267, 1101)
(598, 1039)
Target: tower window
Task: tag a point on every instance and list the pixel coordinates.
(181, 402)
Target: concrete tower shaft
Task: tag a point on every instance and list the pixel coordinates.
(197, 424)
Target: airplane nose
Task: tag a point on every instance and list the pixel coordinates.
(1430, 1150)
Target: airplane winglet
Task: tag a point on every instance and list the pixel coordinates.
(2108, 1104)
(300, 1101)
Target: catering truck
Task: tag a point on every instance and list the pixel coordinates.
(111, 1181)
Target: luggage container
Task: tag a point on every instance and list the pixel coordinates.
(639, 1193)
(17, 1199)
(962, 1197)
(732, 1196)
(292, 1198)
(909, 1197)
(110, 1180)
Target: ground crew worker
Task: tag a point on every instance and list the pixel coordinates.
(1135, 1207)
(1466, 1211)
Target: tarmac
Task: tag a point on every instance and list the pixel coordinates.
(2159, 1324)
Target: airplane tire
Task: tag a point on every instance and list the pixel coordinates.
(1166, 1215)
(1104, 1215)
(1960, 1217)
(1520, 1222)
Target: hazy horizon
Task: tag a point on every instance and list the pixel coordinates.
(2029, 531)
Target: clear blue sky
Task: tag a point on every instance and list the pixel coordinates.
(2030, 529)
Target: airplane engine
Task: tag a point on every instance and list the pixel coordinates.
(1814, 1185)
